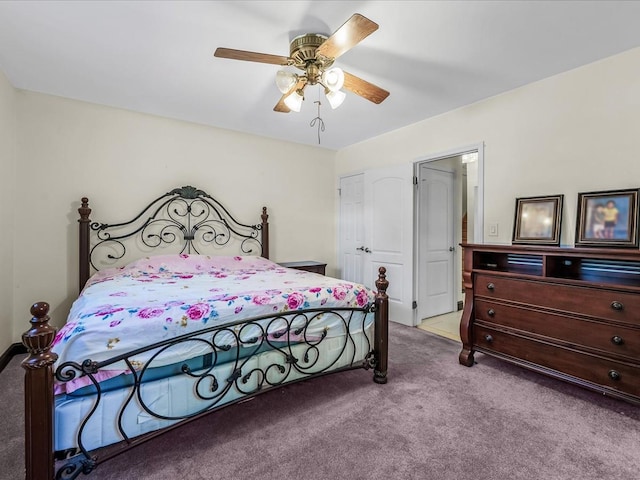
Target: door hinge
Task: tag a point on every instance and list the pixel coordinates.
(415, 180)
(339, 192)
(414, 305)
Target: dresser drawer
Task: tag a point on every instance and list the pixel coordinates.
(597, 335)
(609, 373)
(595, 302)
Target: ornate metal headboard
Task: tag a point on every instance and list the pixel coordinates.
(187, 217)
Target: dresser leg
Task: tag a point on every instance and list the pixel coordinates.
(466, 357)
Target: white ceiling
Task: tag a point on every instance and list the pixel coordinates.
(433, 56)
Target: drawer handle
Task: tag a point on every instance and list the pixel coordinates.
(491, 286)
(617, 306)
(488, 338)
(616, 340)
(614, 375)
(491, 312)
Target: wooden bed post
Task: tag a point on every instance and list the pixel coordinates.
(38, 395)
(83, 237)
(466, 357)
(265, 233)
(381, 335)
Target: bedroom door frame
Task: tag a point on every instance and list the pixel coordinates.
(478, 209)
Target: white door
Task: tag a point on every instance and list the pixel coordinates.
(388, 227)
(436, 242)
(352, 228)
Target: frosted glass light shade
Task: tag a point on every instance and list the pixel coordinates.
(285, 80)
(333, 79)
(294, 101)
(335, 98)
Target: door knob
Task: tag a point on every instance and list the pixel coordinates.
(451, 249)
(367, 250)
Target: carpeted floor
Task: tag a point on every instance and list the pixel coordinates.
(434, 420)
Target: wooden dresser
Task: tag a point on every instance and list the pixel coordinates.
(572, 313)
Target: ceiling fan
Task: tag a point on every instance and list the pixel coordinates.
(314, 54)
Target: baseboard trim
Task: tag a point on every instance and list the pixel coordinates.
(13, 350)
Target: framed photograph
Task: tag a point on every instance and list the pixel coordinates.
(608, 219)
(538, 220)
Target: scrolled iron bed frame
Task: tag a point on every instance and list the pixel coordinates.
(190, 216)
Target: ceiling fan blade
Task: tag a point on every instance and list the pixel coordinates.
(352, 32)
(365, 89)
(251, 56)
(281, 106)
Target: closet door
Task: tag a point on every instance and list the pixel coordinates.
(388, 226)
(352, 228)
(376, 229)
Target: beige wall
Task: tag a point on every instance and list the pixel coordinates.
(7, 205)
(571, 133)
(121, 160)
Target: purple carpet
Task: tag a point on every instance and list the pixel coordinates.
(434, 420)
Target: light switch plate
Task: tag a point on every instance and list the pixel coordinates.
(493, 229)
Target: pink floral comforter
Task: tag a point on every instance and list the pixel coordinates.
(156, 298)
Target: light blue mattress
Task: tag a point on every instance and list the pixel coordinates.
(168, 392)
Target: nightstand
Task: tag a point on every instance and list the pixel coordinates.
(306, 265)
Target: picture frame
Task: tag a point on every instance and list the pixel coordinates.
(608, 219)
(538, 220)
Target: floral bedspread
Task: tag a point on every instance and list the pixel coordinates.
(161, 297)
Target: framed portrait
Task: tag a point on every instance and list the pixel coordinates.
(608, 219)
(538, 220)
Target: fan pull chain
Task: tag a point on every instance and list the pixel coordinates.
(318, 120)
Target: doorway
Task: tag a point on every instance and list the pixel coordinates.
(379, 224)
(448, 213)
(436, 237)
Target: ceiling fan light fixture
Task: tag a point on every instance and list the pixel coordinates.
(294, 101)
(285, 80)
(333, 79)
(335, 98)
(315, 55)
